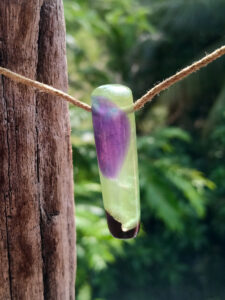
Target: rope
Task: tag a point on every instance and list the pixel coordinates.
(178, 77)
(140, 102)
(43, 87)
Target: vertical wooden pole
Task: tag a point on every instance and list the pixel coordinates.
(37, 232)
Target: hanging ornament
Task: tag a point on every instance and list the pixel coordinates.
(115, 139)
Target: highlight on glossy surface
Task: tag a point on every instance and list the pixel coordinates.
(115, 139)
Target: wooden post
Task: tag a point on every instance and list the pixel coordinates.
(37, 233)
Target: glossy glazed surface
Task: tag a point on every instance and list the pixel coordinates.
(115, 138)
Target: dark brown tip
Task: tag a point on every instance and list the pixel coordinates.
(116, 229)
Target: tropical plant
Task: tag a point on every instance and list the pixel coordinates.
(179, 251)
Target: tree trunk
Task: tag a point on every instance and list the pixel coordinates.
(37, 233)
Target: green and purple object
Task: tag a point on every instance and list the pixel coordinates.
(115, 139)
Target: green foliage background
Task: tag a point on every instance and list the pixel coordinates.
(179, 252)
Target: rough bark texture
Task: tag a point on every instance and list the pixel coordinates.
(37, 234)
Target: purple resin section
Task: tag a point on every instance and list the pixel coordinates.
(115, 228)
(112, 135)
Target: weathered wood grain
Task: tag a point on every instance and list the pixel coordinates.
(37, 234)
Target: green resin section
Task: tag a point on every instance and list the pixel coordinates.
(121, 194)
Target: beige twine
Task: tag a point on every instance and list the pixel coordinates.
(140, 102)
(43, 87)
